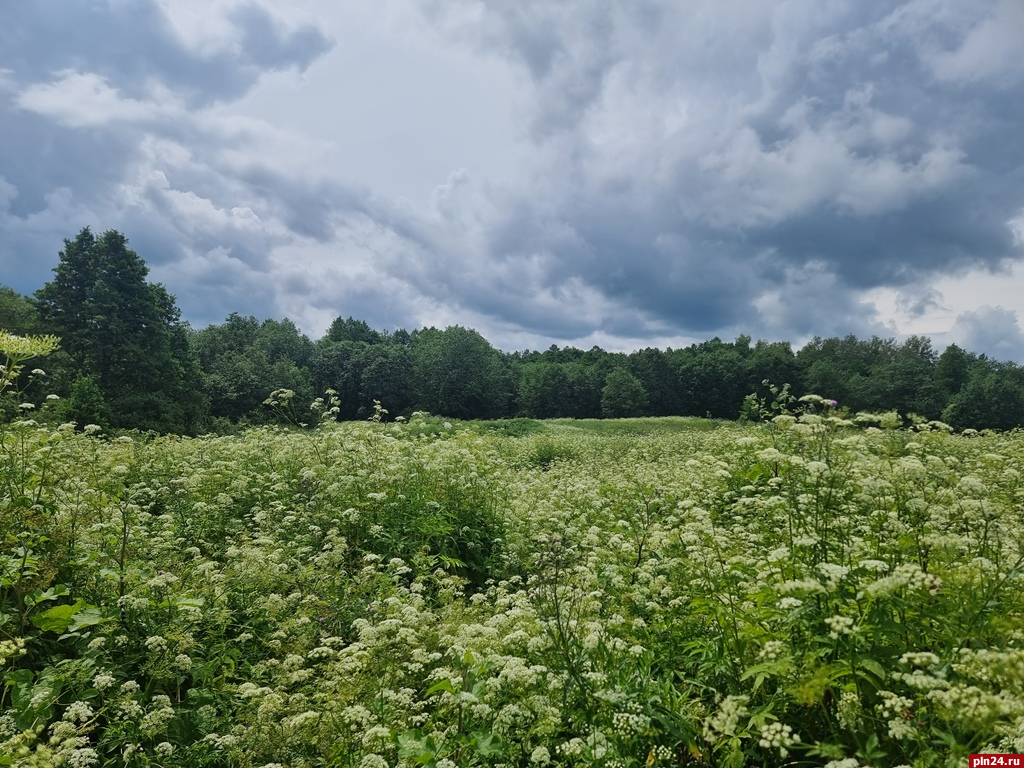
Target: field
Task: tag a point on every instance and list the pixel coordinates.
(807, 591)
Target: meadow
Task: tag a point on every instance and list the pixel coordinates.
(813, 589)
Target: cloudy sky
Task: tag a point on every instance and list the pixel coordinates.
(626, 173)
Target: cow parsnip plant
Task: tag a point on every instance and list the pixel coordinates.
(806, 590)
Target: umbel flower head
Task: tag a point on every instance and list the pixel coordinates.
(21, 348)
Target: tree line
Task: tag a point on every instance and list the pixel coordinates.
(128, 361)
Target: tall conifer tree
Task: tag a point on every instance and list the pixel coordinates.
(123, 332)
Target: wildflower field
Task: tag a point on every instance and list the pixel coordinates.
(811, 590)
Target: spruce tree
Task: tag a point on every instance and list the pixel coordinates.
(124, 333)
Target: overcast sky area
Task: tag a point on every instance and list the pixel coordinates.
(624, 173)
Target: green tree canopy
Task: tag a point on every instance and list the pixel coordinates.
(386, 374)
(17, 313)
(992, 398)
(953, 369)
(458, 373)
(623, 395)
(664, 393)
(351, 329)
(713, 376)
(544, 390)
(124, 332)
(244, 361)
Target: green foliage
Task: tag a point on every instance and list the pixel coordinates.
(18, 350)
(243, 360)
(990, 399)
(124, 333)
(17, 313)
(656, 592)
(352, 330)
(953, 369)
(623, 395)
(661, 385)
(637, 426)
(458, 374)
(125, 336)
(386, 375)
(518, 427)
(876, 374)
(544, 390)
(713, 377)
(85, 403)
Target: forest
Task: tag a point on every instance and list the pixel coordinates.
(127, 360)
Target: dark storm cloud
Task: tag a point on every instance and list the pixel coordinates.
(132, 44)
(102, 106)
(690, 169)
(711, 157)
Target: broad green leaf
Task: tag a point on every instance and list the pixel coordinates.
(444, 685)
(874, 668)
(89, 616)
(44, 692)
(38, 596)
(411, 744)
(487, 743)
(58, 618)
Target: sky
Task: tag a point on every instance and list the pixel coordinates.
(625, 173)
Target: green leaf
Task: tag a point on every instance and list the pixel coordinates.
(89, 616)
(411, 744)
(44, 692)
(58, 618)
(487, 743)
(38, 596)
(451, 563)
(444, 685)
(874, 668)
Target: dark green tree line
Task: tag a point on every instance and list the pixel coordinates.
(127, 360)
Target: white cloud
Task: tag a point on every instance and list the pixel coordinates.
(204, 26)
(1016, 225)
(990, 51)
(85, 100)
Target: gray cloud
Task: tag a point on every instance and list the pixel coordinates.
(710, 156)
(994, 331)
(692, 169)
(107, 124)
(132, 45)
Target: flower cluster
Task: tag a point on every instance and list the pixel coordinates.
(375, 594)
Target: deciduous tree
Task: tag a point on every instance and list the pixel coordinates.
(623, 395)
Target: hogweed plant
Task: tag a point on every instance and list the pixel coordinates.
(810, 588)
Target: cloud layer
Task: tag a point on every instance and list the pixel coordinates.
(682, 170)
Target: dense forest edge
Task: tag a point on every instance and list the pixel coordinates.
(128, 361)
